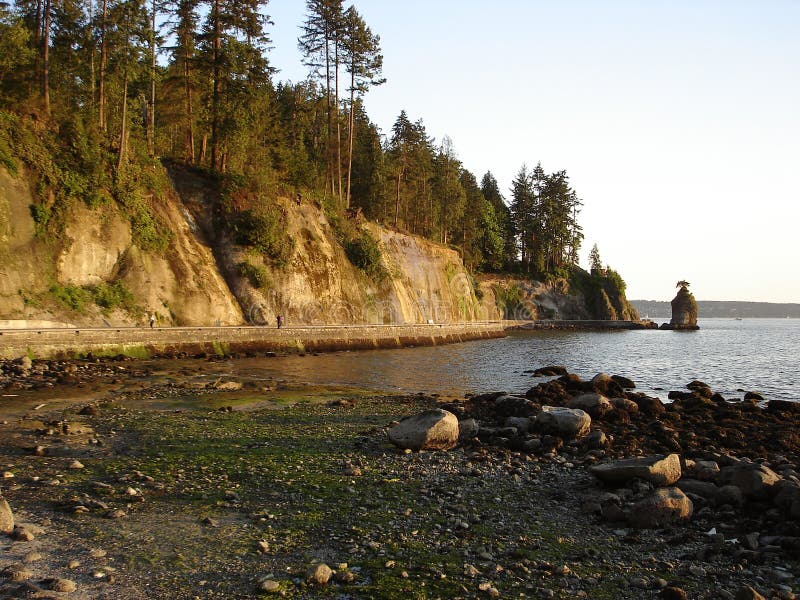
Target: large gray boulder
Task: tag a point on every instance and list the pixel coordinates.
(659, 470)
(564, 422)
(665, 506)
(756, 481)
(595, 404)
(435, 429)
(467, 429)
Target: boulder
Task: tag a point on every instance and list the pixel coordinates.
(6, 517)
(788, 499)
(604, 384)
(665, 506)
(730, 495)
(550, 371)
(705, 489)
(624, 382)
(658, 470)
(756, 481)
(564, 422)
(650, 406)
(521, 424)
(435, 429)
(595, 404)
(625, 404)
(467, 429)
(704, 470)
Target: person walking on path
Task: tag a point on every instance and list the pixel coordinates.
(279, 320)
(152, 320)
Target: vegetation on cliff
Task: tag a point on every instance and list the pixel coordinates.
(94, 99)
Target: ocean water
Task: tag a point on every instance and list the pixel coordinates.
(731, 356)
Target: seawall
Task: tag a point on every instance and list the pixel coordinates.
(585, 325)
(196, 341)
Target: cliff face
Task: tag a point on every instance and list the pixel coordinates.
(585, 298)
(199, 279)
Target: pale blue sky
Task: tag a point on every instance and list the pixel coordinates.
(678, 122)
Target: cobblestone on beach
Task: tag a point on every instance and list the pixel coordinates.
(217, 492)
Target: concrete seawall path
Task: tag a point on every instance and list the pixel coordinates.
(139, 342)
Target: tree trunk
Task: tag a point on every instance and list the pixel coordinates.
(101, 104)
(92, 76)
(397, 199)
(351, 135)
(217, 46)
(189, 113)
(123, 129)
(329, 150)
(46, 58)
(338, 122)
(151, 124)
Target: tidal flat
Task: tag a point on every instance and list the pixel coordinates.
(170, 489)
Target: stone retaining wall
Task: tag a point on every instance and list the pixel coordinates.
(194, 341)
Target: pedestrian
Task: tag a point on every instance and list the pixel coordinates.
(152, 320)
(279, 319)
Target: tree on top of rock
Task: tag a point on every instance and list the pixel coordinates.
(682, 284)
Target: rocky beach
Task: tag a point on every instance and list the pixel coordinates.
(130, 479)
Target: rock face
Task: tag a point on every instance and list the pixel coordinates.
(664, 507)
(435, 429)
(658, 470)
(684, 310)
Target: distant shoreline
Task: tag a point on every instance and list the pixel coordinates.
(721, 309)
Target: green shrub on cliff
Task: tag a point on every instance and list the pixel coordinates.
(365, 254)
(113, 295)
(256, 275)
(71, 297)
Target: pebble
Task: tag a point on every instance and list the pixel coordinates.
(17, 573)
(65, 586)
(97, 553)
(697, 570)
(33, 557)
(319, 574)
(270, 586)
(76, 464)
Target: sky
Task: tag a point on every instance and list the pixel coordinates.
(678, 122)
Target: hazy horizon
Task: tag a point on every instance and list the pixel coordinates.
(677, 122)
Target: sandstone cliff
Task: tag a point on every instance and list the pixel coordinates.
(199, 279)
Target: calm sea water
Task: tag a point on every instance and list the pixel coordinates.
(752, 354)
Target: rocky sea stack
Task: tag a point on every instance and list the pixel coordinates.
(684, 309)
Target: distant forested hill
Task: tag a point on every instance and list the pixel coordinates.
(721, 308)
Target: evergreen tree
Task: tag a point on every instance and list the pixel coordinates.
(364, 63)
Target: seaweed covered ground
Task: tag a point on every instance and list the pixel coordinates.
(229, 491)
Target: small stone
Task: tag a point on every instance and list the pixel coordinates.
(748, 593)
(263, 546)
(319, 574)
(22, 534)
(39, 451)
(639, 582)
(76, 464)
(673, 593)
(33, 557)
(344, 576)
(97, 553)
(65, 586)
(17, 573)
(116, 514)
(8, 475)
(73, 564)
(6, 517)
(270, 586)
(697, 570)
